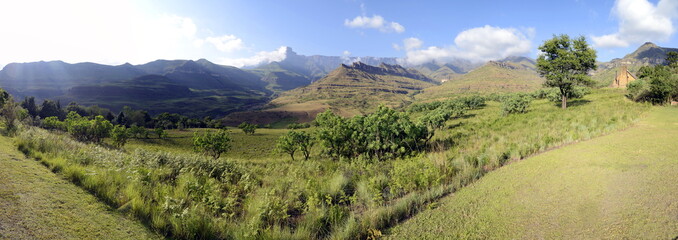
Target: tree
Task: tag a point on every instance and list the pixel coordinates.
(160, 132)
(293, 141)
(248, 128)
(9, 111)
(565, 63)
(672, 59)
(29, 105)
(120, 134)
(51, 108)
(120, 119)
(212, 143)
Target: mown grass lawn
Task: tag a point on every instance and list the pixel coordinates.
(619, 186)
(37, 204)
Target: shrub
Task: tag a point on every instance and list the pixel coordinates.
(120, 134)
(84, 130)
(53, 123)
(211, 143)
(248, 128)
(517, 103)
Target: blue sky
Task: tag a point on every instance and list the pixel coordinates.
(240, 32)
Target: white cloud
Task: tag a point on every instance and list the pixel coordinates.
(476, 44)
(640, 21)
(108, 32)
(412, 43)
(262, 57)
(226, 43)
(375, 22)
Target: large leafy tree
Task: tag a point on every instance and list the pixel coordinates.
(565, 63)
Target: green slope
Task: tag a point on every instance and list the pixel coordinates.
(358, 89)
(492, 77)
(37, 204)
(619, 186)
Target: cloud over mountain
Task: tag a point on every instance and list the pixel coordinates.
(640, 21)
(374, 22)
(476, 44)
(262, 57)
(226, 43)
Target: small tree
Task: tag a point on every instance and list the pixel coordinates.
(120, 134)
(9, 111)
(286, 144)
(160, 132)
(565, 63)
(211, 143)
(293, 141)
(248, 128)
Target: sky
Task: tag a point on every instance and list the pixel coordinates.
(250, 32)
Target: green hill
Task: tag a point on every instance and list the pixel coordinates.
(358, 89)
(509, 75)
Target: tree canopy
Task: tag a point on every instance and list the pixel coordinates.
(565, 63)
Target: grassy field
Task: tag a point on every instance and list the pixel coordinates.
(619, 186)
(252, 193)
(37, 204)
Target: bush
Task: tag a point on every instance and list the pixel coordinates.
(53, 123)
(84, 130)
(383, 134)
(211, 143)
(553, 94)
(120, 134)
(516, 103)
(248, 128)
(638, 90)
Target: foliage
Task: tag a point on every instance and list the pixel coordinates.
(160, 132)
(382, 134)
(211, 143)
(119, 135)
(53, 123)
(515, 103)
(248, 128)
(657, 84)
(565, 63)
(10, 113)
(85, 130)
(139, 132)
(293, 141)
(51, 108)
(249, 195)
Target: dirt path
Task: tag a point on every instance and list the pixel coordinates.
(620, 186)
(36, 204)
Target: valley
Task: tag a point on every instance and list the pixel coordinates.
(329, 147)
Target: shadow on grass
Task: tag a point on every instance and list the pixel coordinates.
(574, 103)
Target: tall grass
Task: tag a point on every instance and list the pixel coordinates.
(183, 195)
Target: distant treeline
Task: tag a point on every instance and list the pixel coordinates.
(127, 117)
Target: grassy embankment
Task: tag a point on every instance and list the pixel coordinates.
(619, 186)
(37, 204)
(251, 193)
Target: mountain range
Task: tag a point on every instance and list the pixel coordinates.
(298, 84)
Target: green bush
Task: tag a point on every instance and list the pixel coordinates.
(248, 128)
(211, 143)
(119, 135)
(516, 103)
(85, 130)
(53, 123)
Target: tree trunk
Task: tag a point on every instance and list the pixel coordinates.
(292, 156)
(564, 102)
